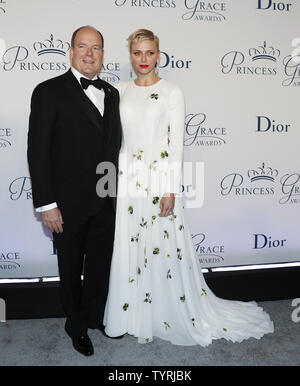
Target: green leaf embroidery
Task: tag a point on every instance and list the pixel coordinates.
(203, 292)
(166, 234)
(168, 274)
(139, 271)
(135, 238)
(155, 200)
(179, 255)
(125, 307)
(138, 156)
(181, 227)
(155, 251)
(148, 298)
(153, 165)
(182, 298)
(172, 217)
(154, 96)
(143, 223)
(164, 154)
(167, 325)
(130, 209)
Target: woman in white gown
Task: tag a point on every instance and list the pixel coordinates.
(156, 284)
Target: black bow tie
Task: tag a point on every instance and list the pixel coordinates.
(85, 83)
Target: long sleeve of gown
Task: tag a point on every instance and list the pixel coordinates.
(176, 135)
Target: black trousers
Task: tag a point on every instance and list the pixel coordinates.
(85, 247)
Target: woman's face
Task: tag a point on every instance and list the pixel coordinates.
(144, 56)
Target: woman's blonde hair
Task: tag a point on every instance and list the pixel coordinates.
(142, 34)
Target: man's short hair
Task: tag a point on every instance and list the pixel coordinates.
(85, 26)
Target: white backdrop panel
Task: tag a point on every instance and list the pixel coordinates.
(232, 59)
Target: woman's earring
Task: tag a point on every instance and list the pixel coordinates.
(157, 68)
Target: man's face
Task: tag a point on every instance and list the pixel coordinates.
(87, 54)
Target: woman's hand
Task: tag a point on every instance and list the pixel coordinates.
(167, 204)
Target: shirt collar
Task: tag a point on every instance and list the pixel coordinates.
(78, 75)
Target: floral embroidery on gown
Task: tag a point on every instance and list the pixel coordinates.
(156, 285)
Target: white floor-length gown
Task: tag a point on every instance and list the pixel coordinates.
(156, 285)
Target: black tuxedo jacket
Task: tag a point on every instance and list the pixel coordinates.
(67, 139)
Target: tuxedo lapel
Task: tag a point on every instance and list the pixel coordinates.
(108, 113)
(82, 101)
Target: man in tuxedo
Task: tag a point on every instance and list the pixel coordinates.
(74, 126)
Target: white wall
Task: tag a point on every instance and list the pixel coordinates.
(232, 82)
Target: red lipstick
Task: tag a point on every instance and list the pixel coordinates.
(144, 66)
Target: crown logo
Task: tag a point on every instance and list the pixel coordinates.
(264, 52)
(51, 46)
(263, 173)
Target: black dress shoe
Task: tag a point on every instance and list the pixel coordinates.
(83, 345)
(102, 329)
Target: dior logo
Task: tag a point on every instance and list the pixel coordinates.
(171, 61)
(273, 5)
(262, 241)
(265, 124)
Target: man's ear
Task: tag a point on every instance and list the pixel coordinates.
(71, 54)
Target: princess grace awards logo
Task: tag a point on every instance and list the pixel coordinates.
(5, 137)
(257, 61)
(198, 132)
(263, 181)
(290, 188)
(146, 3)
(207, 11)
(263, 61)
(292, 69)
(259, 182)
(36, 57)
(208, 254)
(20, 188)
(110, 72)
(10, 261)
(2, 7)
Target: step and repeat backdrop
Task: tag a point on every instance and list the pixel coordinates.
(238, 63)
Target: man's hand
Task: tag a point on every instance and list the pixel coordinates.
(52, 219)
(167, 204)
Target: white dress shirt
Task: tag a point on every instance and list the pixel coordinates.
(97, 97)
